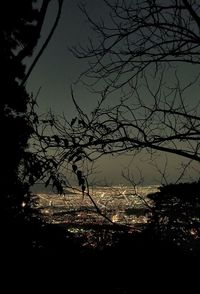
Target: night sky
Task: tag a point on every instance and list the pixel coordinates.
(58, 69)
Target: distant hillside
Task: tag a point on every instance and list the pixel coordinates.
(40, 188)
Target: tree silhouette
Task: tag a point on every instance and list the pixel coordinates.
(140, 56)
(21, 25)
(141, 52)
(175, 216)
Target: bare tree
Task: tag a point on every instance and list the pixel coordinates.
(140, 34)
(141, 51)
(140, 54)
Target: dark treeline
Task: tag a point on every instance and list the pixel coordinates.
(17, 34)
(21, 25)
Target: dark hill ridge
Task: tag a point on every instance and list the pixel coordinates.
(40, 188)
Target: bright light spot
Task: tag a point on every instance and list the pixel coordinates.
(193, 232)
(23, 204)
(115, 218)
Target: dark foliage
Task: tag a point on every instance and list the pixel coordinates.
(175, 217)
(23, 232)
(17, 27)
(19, 34)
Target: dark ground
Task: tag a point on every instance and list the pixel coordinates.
(133, 263)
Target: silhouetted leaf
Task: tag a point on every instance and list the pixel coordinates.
(78, 158)
(90, 139)
(79, 174)
(71, 157)
(66, 143)
(56, 138)
(81, 181)
(45, 121)
(55, 164)
(83, 189)
(81, 122)
(73, 121)
(74, 167)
